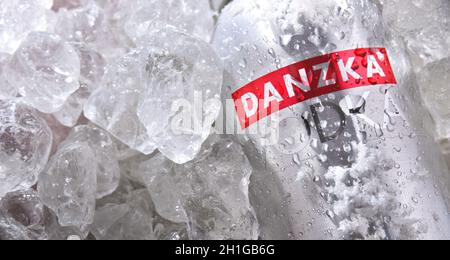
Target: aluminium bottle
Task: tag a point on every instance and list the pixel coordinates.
(326, 104)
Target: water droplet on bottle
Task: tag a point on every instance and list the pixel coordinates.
(290, 140)
(314, 143)
(296, 159)
(347, 148)
(272, 52)
(330, 47)
(243, 63)
(323, 158)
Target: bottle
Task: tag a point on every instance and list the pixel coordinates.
(353, 157)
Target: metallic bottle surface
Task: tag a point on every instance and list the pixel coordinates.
(353, 164)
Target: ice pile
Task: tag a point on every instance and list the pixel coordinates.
(83, 169)
(134, 218)
(93, 96)
(106, 111)
(22, 216)
(212, 193)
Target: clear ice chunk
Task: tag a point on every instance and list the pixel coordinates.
(59, 131)
(83, 169)
(92, 70)
(68, 185)
(81, 24)
(135, 219)
(176, 77)
(108, 171)
(194, 17)
(73, 108)
(7, 91)
(183, 84)
(433, 81)
(55, 231)
(113, 106)
(45, 70)
(25, 144)
(22, 216)
(210, 193)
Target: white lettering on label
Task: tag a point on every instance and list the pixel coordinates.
(323, 75)
(271, 94)
(373, 67)
(346, 69)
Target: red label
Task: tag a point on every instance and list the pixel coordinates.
(312, 78)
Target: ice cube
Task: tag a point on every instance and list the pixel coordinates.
(180, 68)
(135, 219)
(25, 143)
(83, 169)
(104, 148)
(22, 216)
(173, 76)
(68, 185)
(55, 231)
(59, 131)
(45, 70)
(92, 71)
(210, 193)
(71, 111)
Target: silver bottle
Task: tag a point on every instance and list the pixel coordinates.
(355, 164)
